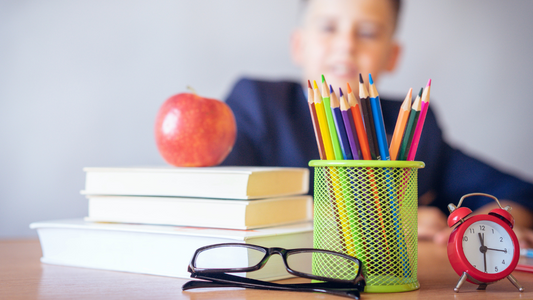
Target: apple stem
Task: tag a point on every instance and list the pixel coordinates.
(190, 88)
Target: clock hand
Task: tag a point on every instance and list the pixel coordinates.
(483, 250)
(485, 261)
(497, 250)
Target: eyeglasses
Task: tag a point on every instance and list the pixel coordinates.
(340, 274)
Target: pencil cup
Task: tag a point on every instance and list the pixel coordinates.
(368, 209)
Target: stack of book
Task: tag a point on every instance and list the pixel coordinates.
(151, 220)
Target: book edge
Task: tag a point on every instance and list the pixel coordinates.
(178, 230)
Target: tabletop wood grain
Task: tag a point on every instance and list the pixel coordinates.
(23, 276)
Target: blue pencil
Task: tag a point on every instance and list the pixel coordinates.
(339, 124)
(526, 252)
(390, 188)
(381, 135)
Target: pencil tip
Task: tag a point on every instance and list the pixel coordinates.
(314, 84)
(429, 82)
(420, 93)
(340, 92)
(309, 84)
(370, 81)
(349, 89)
(330, 89)
(323, 79)
(361, 78)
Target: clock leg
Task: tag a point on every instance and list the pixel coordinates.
(460, 282)
(515, 282)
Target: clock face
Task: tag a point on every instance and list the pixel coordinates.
(488, 247)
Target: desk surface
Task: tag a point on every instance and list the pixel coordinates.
(23, 276)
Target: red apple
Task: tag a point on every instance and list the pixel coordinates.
(193, 131)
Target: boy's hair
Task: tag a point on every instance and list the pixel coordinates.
(396, 7)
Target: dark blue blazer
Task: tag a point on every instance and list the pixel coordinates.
(274, 129)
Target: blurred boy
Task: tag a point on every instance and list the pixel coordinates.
(340, 39)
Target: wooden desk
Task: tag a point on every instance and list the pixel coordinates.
(22, 276)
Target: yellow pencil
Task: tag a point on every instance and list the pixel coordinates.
(331, 122)
(335, 189)
(323, 123)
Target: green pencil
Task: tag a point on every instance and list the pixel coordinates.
(411, 126)
(331, 123)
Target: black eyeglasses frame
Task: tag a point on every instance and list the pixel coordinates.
(284, 253)
(213, 278)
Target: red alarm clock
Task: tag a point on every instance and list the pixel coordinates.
(482, 249)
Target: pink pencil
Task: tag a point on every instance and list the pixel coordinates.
(420, 125)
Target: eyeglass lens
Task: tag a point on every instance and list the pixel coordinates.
(226, 257)
(326, 265)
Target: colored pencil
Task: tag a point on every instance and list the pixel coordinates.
(359, 124)
(377, 218)
(331, 123)
(378, 238)
(420, 123)
(399, 129)
(377, 113)
(339, 125)
(330, 175)
(410, 127)
(323, 123)
(349, 125)
(528, 252)
(345, 197)
(369, 120)
(343, 236)
(314, 119)
(335, 191)
(396, 221)
(388, 187)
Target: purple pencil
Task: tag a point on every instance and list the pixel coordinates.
(347, 117)
(339, 125)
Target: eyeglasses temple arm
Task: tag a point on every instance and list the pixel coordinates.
(227, 280)
(197, 284)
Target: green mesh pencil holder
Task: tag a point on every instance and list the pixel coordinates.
(368, 209)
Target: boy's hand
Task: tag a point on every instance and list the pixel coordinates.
(525, 237)
(432, 224)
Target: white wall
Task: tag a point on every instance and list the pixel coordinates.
(81, 82)
(479, 55)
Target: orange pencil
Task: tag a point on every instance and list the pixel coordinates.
(359, 124)
(316, 126)
(401, 122)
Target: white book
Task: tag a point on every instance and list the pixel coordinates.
(158, 250)
(201, 212)
(209, 182)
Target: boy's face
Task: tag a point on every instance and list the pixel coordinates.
(342, 38)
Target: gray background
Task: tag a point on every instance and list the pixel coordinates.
(81, 82)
